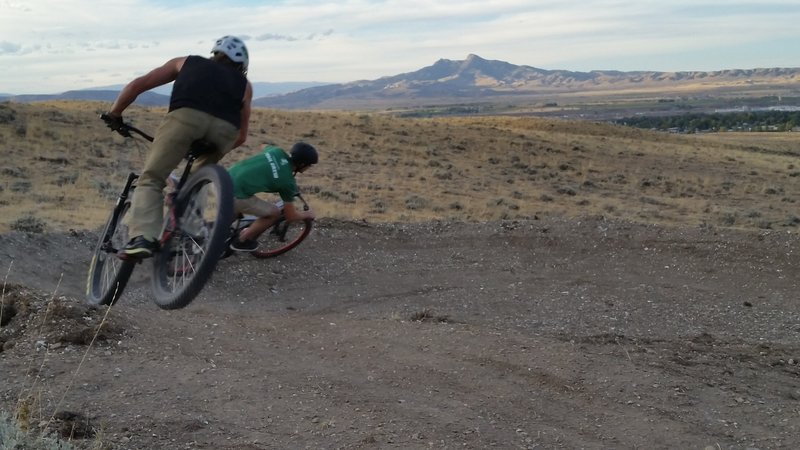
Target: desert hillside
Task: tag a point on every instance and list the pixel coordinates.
(64, 168)
(642, 293)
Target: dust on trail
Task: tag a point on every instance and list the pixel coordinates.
(517, 334)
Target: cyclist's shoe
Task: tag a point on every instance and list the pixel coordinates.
(138, 248)
(243, 246)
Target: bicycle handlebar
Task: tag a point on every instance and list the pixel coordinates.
(123, 128)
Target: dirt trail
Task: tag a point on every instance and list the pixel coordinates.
(541, 334)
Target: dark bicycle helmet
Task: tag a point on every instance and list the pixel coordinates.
(303, 154)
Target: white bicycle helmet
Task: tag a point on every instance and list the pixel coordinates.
(233, 48)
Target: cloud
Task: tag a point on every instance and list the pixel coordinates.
(7, 4)
(295, 39)
(281, 37)
(9, 47)
(275, 37)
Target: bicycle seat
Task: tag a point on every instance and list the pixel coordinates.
(201, 147)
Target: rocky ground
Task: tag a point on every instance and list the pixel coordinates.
(542, 334)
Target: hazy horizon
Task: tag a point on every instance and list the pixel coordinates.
(264, 88)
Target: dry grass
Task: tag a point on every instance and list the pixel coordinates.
(63, 168)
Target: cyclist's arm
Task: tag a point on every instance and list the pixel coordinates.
(293, 215)
(156, 77)
(245, 121)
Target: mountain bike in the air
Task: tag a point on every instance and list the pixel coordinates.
(199, 212)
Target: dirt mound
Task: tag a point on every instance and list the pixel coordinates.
(36, 327)
(29, 317)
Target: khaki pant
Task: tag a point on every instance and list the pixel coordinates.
(255, 206)
(172, 141)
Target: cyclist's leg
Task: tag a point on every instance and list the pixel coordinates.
(173, 136)
(221, 135)
(266, 212)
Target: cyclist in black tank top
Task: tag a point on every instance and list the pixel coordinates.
(210, 100)
(205, 85)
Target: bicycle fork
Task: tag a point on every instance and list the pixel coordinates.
(117, 211)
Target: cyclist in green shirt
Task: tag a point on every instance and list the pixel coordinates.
(273, 171)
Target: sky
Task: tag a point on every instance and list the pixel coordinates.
(52, 46)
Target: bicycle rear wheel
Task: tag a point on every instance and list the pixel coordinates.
(189, 254)
(282, 237)
(108, 275)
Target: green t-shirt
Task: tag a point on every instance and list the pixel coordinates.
(268, 171)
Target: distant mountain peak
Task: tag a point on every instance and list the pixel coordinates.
(477, 78)
(472, 60)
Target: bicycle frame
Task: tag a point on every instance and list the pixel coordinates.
(172, 222)
(173, 214)
(197, 148)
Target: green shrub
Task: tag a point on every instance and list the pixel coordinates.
(12, 437)
(28, 224)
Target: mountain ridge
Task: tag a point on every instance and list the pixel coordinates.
(473, 78)
(476, 78)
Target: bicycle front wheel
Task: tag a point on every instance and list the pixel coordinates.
(108, 274)
(282, 237)
(195, 239)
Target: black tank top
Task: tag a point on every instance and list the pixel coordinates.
(211, 87)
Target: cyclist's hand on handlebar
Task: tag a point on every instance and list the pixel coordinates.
(116, 124)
